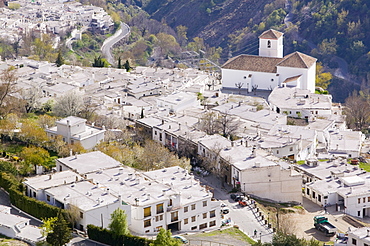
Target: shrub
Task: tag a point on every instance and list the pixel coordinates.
(106, 236)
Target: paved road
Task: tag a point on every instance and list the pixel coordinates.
(122, 32)
(4, 200)
(243, 217)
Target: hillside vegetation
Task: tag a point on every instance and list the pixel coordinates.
(322, 28)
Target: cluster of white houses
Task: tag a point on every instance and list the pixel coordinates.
(96, 185)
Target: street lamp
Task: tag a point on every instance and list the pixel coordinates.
(261, 236)
(268, 218)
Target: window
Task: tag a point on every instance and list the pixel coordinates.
(186, 221)
(192, 206)
(159, 218)
(159, 208)
(313, 194)
(194, 228)
(147, 212)
(48, 198)
(34, 194)
(212, 213)
(272, 80)
(81, 227)
(212, 223)
(277, 151)
(170, 203)
(72, 142)
(354, 241)
(319, 198)
(147, 223)
(186, 209)
(364, 199)
(202, 226)
(155, 133)
(60, 168)
(368, 199)
(204, 215)
(158, 228)
(81, 215)
(308, 191)
(193, 219)
(204, 203)
(358, 213)
(174, 216)
(291, 149)
(359, 200)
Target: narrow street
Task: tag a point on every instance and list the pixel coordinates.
(243, 217)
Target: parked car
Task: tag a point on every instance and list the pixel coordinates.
(225, 210)
(181, 238)
(239, 198)
(233, 196)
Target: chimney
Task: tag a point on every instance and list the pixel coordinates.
(67, 122)
(232, 143)
(50, 176)
(70, 152)
(257, 164)
(162, 122)
(368, 233)
(254, 152)
(179, 126)
(76, 155)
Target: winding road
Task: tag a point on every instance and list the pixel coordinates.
(106, 48)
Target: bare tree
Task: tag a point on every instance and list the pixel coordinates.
(69, 104)
(357, 111)
(88, 108)
(209, 123)
(31, 97)
(227, 124)
(239, 86)
(8, 81)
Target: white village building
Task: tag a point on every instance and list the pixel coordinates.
(270, 69)
(168, 198)
(74, 130)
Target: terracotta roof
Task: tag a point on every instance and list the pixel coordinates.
(298, 60)
(291, 79)
(271, 34)
(253, 63)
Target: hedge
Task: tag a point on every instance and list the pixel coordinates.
(107, 237)
(29, 205)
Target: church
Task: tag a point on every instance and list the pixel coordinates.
(270, 68)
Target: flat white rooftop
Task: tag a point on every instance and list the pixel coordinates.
(89, 162)
(52, 180)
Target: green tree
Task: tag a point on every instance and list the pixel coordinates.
(60, 59)
(127, 66)
(323, 80)
(119, 63)
(118, 224)
(36, 156)
(164, 238)
(47, 225)
(100, 62)
(60, 233)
